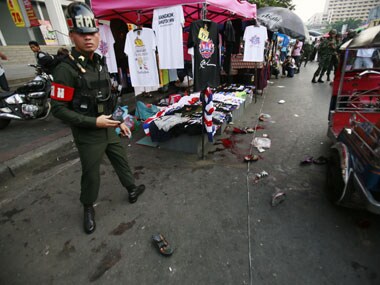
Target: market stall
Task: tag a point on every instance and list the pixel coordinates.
(134, 11)
(201, 17)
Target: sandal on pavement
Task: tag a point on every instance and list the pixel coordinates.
(162, 245)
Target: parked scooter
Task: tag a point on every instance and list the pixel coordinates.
(28, 102)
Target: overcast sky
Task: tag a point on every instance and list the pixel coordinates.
(307, 8)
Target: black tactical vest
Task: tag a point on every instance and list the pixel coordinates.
(93, 96)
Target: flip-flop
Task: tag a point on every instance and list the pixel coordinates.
(162, 245)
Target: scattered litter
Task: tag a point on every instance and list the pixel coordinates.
(278, 198)
(260, 175)
(249, 130)
(265, 135)
(307, 160)
(251, 157)
(264, 117)
(261, 142)
(260, 149)
(170, 269)
(281, 102)
(295, 115)
(280, 86)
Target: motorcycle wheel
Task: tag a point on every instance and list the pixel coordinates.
(335, 182)
(4, 123)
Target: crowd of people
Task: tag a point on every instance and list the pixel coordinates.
(324, 50)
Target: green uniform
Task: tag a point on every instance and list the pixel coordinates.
(92, 97)
(307, 50)
(325, 52)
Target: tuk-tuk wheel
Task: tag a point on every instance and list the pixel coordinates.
(335, 182)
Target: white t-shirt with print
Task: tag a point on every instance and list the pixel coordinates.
(167, 24)
(140, 46)
(106, 49)
(254, 43)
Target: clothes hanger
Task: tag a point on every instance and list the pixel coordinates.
(139, 27)
(204, 13)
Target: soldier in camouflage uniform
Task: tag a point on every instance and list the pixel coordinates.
(326, 51)
(335, 57)
(306, 53)
(82, 96)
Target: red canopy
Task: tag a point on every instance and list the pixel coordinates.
(140, 11)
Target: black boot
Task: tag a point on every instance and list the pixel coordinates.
(313, 80)
(328, 77)
(135, 193)
(89, 219)
(320, 79)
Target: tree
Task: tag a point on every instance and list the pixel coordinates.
(351, 24)
(275, 3)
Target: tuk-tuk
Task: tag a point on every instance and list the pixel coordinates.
(353, 175)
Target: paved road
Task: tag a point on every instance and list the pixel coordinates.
(219, 220)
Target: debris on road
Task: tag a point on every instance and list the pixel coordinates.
(264, 117)
(278, 198)
(260, 175)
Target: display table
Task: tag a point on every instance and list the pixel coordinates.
(193, 144)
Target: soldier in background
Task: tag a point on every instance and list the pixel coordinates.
(334, 57)
(326, 50)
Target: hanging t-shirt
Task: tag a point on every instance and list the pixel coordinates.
(254, 43)
(106, 47)
(167, 24)
(204, 38)
(140, 46)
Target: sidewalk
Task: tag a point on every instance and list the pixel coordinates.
(29, 143)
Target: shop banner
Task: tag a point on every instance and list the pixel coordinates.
(28, 12)
(48, 33)
(16, 13)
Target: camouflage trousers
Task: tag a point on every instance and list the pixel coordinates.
(323, 65)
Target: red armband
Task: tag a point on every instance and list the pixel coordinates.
(61, 92)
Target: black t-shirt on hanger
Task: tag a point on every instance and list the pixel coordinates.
(206, 55)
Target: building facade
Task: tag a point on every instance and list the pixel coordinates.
(340, 10)
(53, 29)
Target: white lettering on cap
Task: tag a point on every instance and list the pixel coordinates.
(84, 21)
(88, 21)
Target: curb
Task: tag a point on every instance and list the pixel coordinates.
(15, 166)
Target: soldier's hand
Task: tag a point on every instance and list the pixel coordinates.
(125, 131)
(104, 121)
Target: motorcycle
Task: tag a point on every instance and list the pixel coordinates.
(28, 102)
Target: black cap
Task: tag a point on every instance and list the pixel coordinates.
(81, 19)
